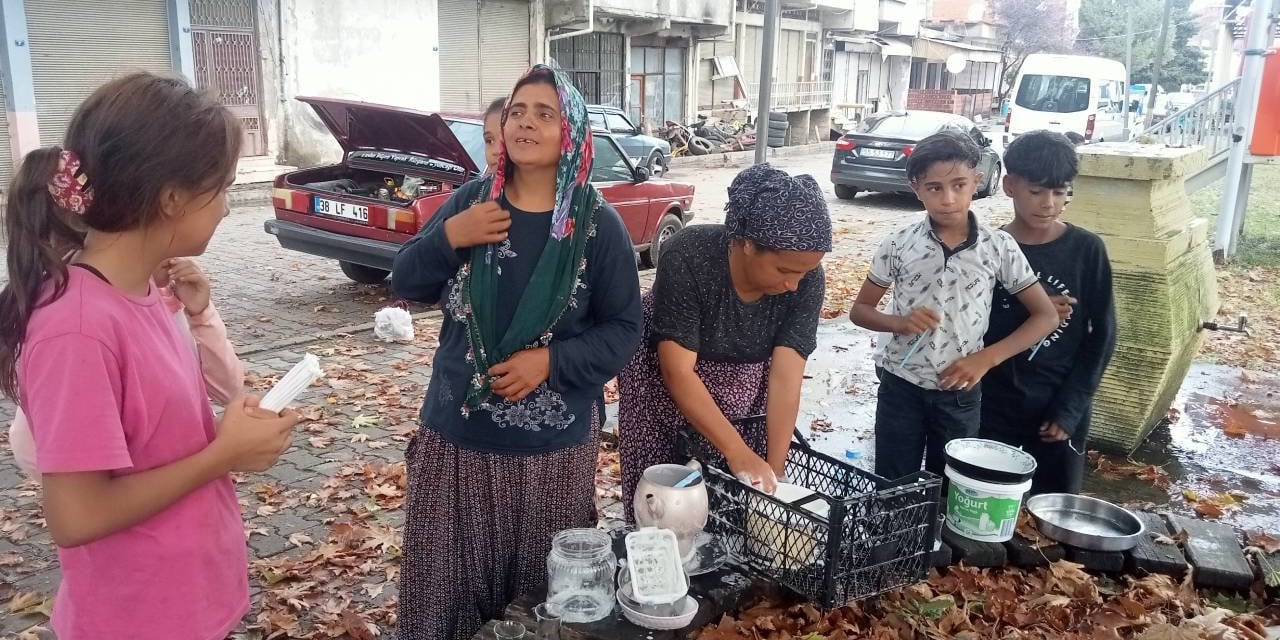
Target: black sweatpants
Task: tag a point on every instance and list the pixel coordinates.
(1059, 465)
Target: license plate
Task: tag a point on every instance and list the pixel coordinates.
(346, 210)
(883, 154)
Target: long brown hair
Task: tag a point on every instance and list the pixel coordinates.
(134, 136)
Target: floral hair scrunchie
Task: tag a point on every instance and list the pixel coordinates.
(69, 186)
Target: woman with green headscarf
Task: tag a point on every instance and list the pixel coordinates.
(541, 301)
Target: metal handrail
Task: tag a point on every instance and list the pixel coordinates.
(1205, 122)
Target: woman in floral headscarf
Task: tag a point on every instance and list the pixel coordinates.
(542, 306)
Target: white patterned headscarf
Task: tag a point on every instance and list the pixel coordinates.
(778, 211)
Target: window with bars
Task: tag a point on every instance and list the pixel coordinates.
(594, 64)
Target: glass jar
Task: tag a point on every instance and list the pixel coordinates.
(580, 572)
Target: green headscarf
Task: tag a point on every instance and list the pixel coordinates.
(563, 259)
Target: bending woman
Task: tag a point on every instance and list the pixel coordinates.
(542, 307)
(731, 319)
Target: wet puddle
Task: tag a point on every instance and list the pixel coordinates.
(1222, 438)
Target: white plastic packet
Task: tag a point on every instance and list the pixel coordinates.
(393, 324)
(287, 389)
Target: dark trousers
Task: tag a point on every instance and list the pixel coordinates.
(912, 422)
(1059, 468)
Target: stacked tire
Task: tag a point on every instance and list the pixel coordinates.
(778, 127)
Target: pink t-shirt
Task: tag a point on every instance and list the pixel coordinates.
(110, 383)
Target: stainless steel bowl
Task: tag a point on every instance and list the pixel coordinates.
(1088, 523)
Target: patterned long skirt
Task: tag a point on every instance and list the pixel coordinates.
(478, 528)
(649, 421)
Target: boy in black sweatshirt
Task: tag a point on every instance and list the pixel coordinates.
(1041, 400)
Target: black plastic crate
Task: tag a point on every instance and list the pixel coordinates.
(877, 535)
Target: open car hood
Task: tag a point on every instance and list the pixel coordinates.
(360, 126)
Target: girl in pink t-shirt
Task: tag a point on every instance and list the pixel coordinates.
(135, 469)
(184, 289)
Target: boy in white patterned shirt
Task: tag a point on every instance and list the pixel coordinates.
(943, 270)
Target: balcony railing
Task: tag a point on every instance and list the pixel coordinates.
(1206, 123)
(795, 95)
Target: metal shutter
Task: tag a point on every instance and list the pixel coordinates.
(6, 151)
(460, 55)
(505, 43)
(76, 49)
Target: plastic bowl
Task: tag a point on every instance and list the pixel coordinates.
(681, 615)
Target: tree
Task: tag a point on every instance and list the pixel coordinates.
(1102, 33)
(1027, 27)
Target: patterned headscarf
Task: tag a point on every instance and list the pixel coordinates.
(778, 211)
(561, 264)
(576, 148)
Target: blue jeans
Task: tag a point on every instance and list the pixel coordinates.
(912, 422)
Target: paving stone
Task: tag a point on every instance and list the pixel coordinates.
(287, 473)
(267, 546)
(972, 552)
(1022, 553)
(1152, 557)
(302, 458)
(1214, 551)
(1101, 561)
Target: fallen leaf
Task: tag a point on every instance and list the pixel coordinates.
(363, 421)
(1267, 542)
(300, 540)
(31, 603)
(1209, 510)
(320, 442)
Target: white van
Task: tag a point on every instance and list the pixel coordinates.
(1062, 93)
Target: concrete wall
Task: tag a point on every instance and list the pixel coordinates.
(372, 50)
(717, 12)
(898, 71)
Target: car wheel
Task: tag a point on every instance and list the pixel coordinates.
(845, 192)
(778, 117)
(700, 146)
(779, 127)
(993, 181)
(656, 168)
(668, 227)
(363, 274)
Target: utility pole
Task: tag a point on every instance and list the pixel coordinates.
(1128, 67)
(1235, 186)
(772, 16)
(1161, 43)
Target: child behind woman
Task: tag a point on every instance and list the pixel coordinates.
(135, 472)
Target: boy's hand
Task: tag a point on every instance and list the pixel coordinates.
(965, 373)
(1051, 432)
(1064, 305)
(920, 320)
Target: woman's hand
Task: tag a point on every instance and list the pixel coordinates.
(753, 470)
(189, 284)
(484, 223)
(521, 373)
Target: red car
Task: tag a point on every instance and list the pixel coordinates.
(400, 165)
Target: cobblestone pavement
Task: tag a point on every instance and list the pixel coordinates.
(323, 523)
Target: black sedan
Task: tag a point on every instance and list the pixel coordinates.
(874, 156)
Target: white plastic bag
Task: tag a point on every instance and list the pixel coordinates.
(393, 324)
